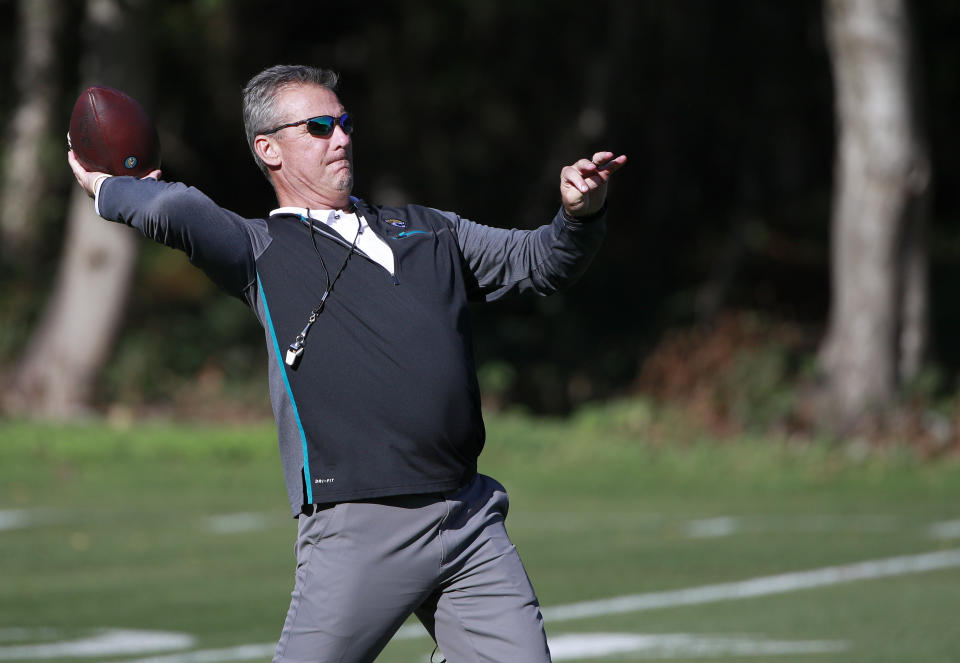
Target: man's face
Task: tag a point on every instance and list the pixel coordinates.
(315, 168)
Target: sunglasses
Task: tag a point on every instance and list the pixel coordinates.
(321, 126)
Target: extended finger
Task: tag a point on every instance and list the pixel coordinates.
(600, 158)
(585, 166)
(573, 176)
(588, 174)
(606, 162)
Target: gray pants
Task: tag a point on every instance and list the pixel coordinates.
(364, 567)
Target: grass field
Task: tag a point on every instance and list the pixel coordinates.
(172, 544)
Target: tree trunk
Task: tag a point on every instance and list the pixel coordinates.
(877, 330)
(58, 372)
(24, 178)
(57, 375)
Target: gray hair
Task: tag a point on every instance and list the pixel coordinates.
(260, 94)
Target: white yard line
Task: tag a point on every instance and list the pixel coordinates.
(681, 645)
(575, 646)
(720, 526)
(14, 518)
(234, 523)
(21, 518)
(948, 529)
(762, 586)
(238, 653)
(711, 528)
(570, 646)
(108, 642)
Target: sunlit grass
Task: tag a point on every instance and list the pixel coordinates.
(117, 530)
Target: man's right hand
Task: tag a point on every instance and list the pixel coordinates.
(583, 185)
(91, 180)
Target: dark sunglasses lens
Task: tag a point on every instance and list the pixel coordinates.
(346, 121)
(321, 126)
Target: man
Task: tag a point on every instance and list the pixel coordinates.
(372, 376)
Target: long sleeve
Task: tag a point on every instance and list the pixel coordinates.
(543, 261)
(223, 244)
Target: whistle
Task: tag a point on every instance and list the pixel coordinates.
(294, 353)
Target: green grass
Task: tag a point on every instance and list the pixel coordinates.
(602, 505)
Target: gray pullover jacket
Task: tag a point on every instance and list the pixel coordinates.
(385, 400)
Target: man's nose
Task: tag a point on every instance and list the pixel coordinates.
(339, 136)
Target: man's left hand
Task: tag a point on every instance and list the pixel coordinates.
(583, 185)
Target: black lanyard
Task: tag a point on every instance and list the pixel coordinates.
(295, 349)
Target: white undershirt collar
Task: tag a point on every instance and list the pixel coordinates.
(345, 225)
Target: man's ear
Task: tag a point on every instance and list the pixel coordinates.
(267, 150)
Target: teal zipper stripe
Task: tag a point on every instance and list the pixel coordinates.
(293, 403)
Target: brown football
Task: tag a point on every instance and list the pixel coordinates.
(111, 133)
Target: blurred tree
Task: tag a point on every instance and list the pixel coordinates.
(877, 331)
(24, 180)
(66, 353)
(473, 107)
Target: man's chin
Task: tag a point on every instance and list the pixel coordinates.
(345, 184)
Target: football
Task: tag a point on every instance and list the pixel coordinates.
(111, 133)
